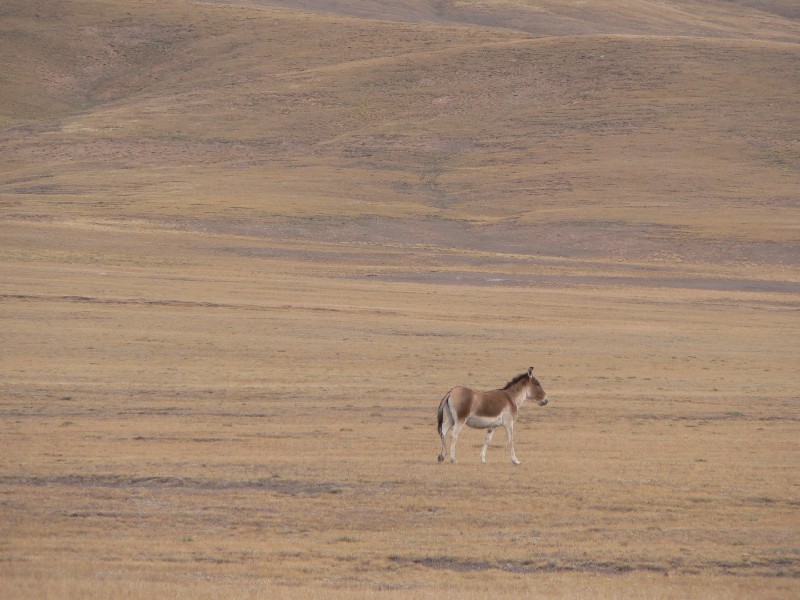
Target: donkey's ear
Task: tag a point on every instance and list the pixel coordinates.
(530, 372)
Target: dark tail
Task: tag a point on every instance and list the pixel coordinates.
(440, 416)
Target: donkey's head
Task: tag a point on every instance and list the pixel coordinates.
(535, 389)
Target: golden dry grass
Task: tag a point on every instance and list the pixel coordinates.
(245, 249)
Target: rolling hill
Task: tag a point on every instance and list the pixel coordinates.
(553, 122)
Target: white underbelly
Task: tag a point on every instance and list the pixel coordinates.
(484, 422)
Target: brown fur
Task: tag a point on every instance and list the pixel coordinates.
(494, 403)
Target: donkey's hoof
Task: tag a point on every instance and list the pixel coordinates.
(441, 458)
(516, 462)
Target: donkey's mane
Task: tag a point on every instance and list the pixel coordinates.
(516, 380)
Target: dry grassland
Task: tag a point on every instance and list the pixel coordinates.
(246, 247)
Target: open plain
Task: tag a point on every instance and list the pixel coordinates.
(247, 246)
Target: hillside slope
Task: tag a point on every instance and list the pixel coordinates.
(671, 126)
(751, 19)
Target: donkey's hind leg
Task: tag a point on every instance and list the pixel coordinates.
(457, 427)
(447, 423)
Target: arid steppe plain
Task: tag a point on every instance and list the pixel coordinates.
(246, 247)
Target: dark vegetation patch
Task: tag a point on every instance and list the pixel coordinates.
(278, 485)
(706, 418)
(767, 567)
(527, 567)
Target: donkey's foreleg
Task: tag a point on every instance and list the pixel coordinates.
(510, 433)
(489, 434)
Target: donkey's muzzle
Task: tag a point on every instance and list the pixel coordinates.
(543, 402)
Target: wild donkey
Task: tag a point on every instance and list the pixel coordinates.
(486, 410)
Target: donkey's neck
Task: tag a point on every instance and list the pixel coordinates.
(518, 394)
